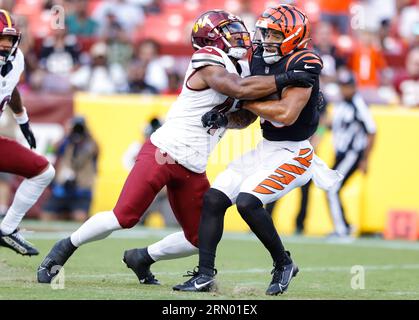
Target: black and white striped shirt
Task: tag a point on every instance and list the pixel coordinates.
(352, 122)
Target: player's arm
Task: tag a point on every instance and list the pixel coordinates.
(21, 116)
(249, 88)
(240, 119)
(16, 103)
(294, 97)
(232, 85)
(286, 110)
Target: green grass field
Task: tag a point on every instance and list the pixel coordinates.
(96, 272)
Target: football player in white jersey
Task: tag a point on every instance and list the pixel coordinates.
(176, 155)
(15, 158)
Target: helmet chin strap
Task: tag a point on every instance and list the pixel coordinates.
(235, 52)
(271, 58)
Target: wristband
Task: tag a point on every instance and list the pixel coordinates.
(23, 118)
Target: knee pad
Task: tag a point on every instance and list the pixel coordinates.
(216, 201)
(246, 203)
(43, 179)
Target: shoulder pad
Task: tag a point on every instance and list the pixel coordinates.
(305, 60)
(207, 56)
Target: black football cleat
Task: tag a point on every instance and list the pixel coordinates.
(199, 282)
(139, 261)
(17, 243)
(281, 278)
(55, 259)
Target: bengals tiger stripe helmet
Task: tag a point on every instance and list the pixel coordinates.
(287, 20)
(8, 28)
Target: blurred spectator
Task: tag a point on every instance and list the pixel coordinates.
(333, 60)
(27, 45)
(353, 130)
(175, 84)
(161, 202)
(79, 23)
(415, 41)
(7, 5)
(71, 190)
(336, 13)
(386, 93)
(58, 58)
(136, 79)
(367, 60)
(148, 52)
(407, 83)
(389, 42)
(409, 21)
(151, 6)
(120, 48)
(100, 77)
(373, 12)
(243, 9)
(110, 26)
(60, 52)
(128, 15)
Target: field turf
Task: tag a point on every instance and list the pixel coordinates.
(96, 272)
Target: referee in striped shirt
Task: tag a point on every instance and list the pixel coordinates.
(353, 130)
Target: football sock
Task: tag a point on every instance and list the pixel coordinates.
(211, 228)
(26, 195)
(260, 222)
(173, 246)
(95, 228)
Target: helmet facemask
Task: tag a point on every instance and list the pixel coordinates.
(236, 39)
(271, 41)
(8, 54)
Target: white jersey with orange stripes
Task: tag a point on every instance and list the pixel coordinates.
(182, 136)
(10, 78)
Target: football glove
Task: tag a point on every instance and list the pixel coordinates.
(214, 120)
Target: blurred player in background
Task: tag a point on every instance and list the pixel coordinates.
(15, 158)
(282, 161)
(177, 154)
(353, 130)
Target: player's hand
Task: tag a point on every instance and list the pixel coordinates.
(27, 132)
(214, 120)
(297, 78)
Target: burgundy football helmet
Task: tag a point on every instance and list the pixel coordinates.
(8, 28)
(223, 30)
